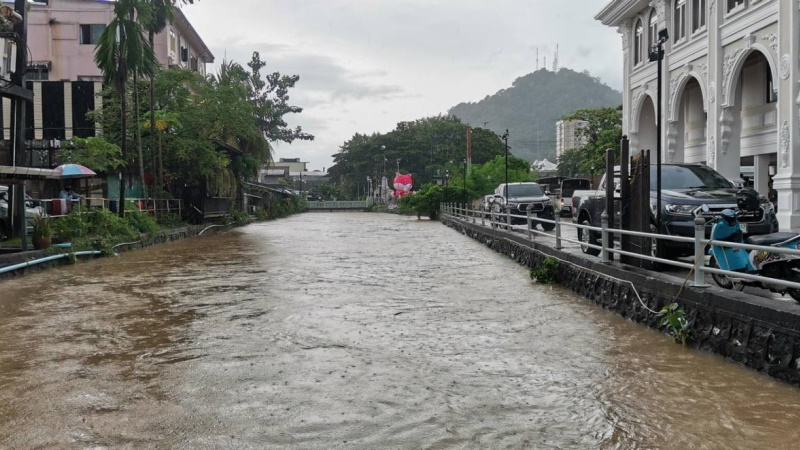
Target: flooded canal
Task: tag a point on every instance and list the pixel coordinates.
(353, 331)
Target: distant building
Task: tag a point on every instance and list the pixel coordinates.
(569, 136)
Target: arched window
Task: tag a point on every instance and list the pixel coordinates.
(698, 15)
(652, 30)
(680, 20)
(637, 42)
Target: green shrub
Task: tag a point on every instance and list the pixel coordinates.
(171, 220)
(104, 223)
(69, 227)
(261, 214)
(545, 273)
(673, 319)
(237, 217)
(141, 222)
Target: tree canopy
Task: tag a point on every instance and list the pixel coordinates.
(604, 131)
(424, 148)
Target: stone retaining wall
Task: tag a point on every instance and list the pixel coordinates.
(761, 333)
(175, 234)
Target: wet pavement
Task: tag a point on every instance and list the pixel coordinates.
(352, 330)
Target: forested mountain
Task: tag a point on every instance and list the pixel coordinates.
(530, 108)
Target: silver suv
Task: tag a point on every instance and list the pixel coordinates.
(31, 211)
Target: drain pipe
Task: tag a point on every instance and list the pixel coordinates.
(209, 227)
(46, 259)
(124, 243)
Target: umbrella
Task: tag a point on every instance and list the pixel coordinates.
(73, 171)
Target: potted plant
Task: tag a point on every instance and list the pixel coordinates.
(42, 232)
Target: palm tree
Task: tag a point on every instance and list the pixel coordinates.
(121, 50)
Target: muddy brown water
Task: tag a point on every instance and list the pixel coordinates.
(357, 330)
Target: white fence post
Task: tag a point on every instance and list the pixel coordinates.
(606, 237)
(699, 254)
(558, 231)
(528, 223)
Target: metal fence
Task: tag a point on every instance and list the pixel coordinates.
(351, 204)
(469, 214)
(157, 207)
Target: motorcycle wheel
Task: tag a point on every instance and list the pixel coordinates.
(724, 281)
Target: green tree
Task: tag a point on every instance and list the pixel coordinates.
(425, 148)
(604, 131)
(121, 50)
(95, 153)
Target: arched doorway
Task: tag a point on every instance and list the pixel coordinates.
(646, 131)
(748, 124)
(687, 134)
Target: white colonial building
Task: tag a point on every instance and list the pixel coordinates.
(730, 87)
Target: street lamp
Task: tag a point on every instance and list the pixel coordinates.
(464, 190)
(446, 177)
(657, 54)
(505, 138)
(383, 153)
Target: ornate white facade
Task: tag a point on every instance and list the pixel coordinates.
(730, 87)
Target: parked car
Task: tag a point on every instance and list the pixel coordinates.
(684, 189)
(32, 209)
(519, 198)
(568, 187)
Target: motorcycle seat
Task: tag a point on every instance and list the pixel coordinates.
(770, 239)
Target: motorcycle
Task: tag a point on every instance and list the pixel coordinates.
(756, 262)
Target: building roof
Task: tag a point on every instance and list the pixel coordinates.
(191, 34)
(617, 11)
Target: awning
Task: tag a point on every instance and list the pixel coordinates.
(18, 173)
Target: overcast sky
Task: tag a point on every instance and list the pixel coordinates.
(366, 65)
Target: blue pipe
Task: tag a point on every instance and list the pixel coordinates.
(46, 259)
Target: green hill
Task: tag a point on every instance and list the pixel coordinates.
(532, 106)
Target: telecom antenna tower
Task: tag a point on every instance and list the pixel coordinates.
(555, 60)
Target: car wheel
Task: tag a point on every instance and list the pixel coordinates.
(588, 237)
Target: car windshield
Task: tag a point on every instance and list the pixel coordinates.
(524, 190)
(688, 177)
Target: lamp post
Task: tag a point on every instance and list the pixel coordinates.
(446, 177)
(383, 153)
(464, 190)
(505, 138)
(657, 54)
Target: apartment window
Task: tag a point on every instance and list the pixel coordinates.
(637, 43)
(735, 4)
(680, 19)
(652, 29)
(698, 15)
(173, 42)
(90, 34)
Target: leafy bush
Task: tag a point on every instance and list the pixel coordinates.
(673, 319)
(545, 273)
(170, 220)
(427, 201)
(69, 227)
(104, 223)
(237, 217)
(141, 222)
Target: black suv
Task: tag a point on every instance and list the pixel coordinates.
(519, 198)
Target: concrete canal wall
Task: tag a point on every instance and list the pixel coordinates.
(761, 333)
(161, 237)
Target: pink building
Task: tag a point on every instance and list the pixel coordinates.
(62, 35)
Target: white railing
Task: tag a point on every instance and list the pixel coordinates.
(345, 204)
(606, 247)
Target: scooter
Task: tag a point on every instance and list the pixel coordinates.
(756, 262)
